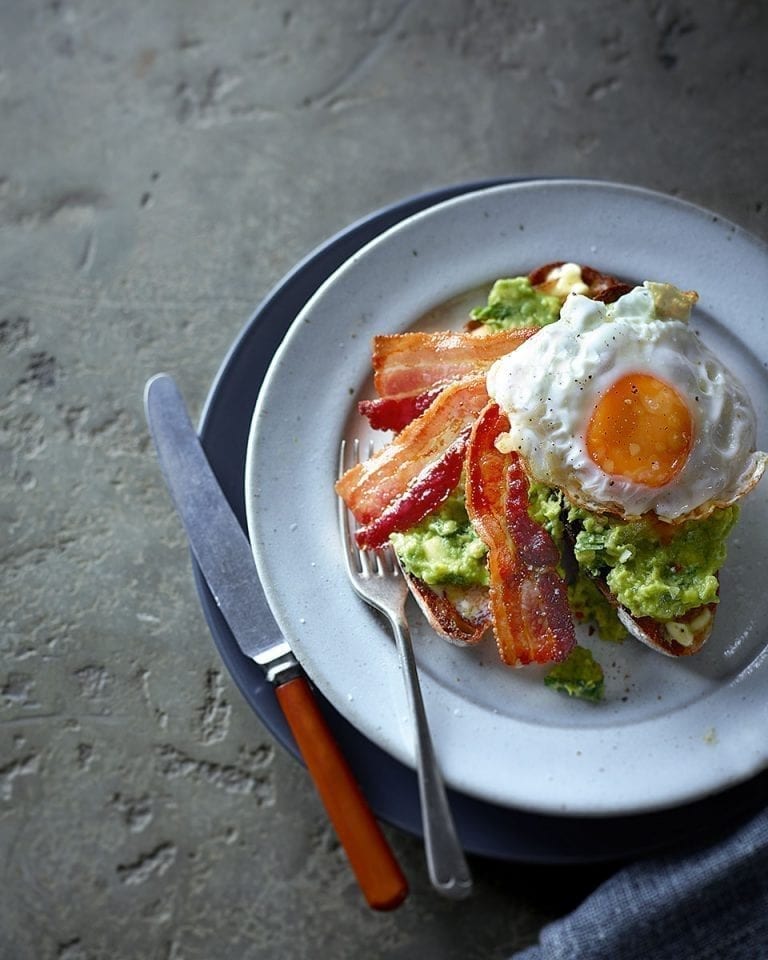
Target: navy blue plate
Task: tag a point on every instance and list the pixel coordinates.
(485, 829)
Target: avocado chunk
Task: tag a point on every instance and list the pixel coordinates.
(579, 675)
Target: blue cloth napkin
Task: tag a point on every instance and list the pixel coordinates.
(707, 903)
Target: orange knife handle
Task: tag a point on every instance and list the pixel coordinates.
(378, 873)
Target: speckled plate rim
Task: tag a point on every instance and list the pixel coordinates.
(564, 766)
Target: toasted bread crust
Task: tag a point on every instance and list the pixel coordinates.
(444, 616)
(657, 636)
(695, 626)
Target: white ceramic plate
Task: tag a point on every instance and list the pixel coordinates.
(669, 731)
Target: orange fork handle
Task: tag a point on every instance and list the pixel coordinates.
(378, 873)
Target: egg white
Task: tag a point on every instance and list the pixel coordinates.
(550, 385)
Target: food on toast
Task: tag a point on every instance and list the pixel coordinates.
(575, 453)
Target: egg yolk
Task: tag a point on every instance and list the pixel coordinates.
(641, 430)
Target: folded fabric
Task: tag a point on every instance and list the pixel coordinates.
(706, 903)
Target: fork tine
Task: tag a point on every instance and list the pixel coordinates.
(357, 560)
(386, 563)
(368, 562)
(370, 571)
(349, 553)
(378, 564)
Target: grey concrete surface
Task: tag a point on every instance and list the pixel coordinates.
(163, 163)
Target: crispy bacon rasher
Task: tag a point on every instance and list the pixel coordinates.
(432, 487)
(394, 413)
(529, 602)
(370, 487)
(407, 364)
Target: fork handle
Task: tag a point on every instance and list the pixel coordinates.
(446, 863)
(378, 873)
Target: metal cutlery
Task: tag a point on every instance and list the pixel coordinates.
(224, 555)
(376, 577)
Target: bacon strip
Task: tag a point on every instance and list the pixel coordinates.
(394, 413)
(529, 602)
(369, 487)
(431, 488)
(405, 364)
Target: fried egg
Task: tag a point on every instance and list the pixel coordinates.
(623, 408)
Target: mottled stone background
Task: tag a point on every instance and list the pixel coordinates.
(163, 163)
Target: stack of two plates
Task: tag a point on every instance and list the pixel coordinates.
(677, 747)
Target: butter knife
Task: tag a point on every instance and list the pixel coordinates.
(223, 553)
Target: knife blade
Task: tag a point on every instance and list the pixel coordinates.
(224, 555)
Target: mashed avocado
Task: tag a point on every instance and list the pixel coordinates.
(444, 548)
(655, 578)
(515, 303)
(653, 570)
(579, 675)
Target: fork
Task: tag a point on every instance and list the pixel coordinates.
(377, 578)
